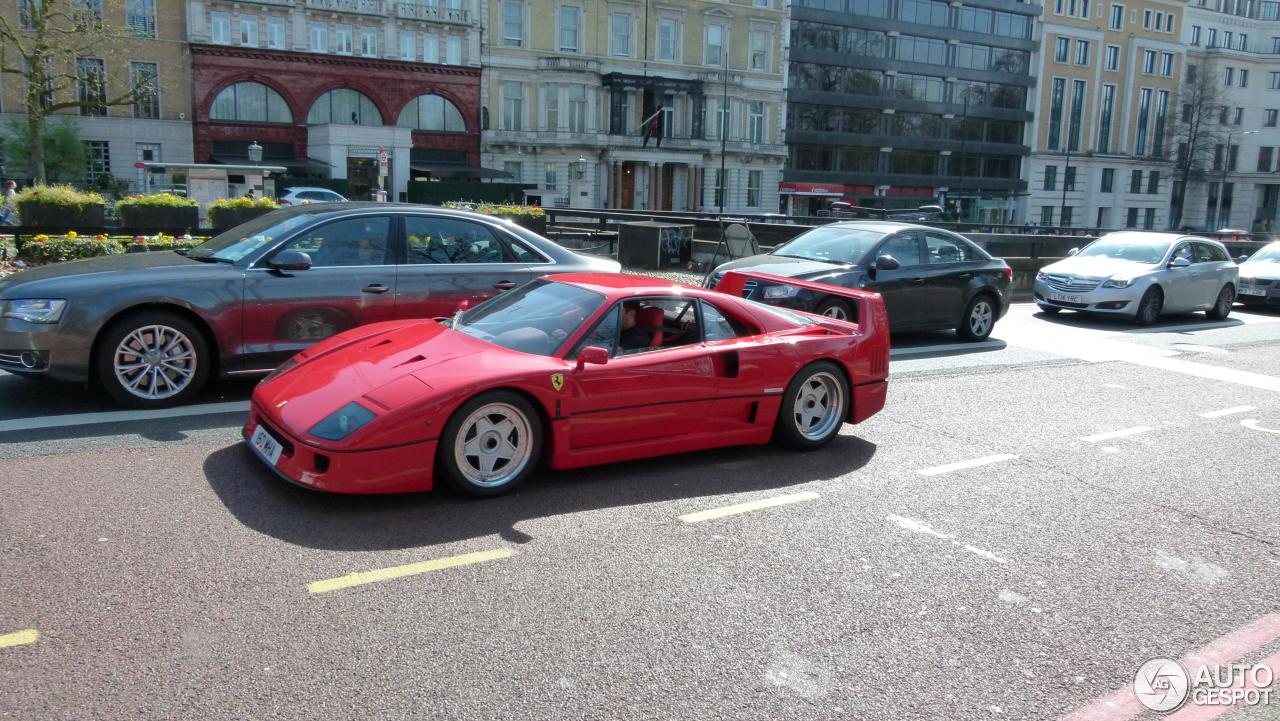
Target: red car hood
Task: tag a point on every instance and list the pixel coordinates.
(385, 367)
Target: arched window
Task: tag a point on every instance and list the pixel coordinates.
(250, 103)
(343, 106)
(432, 112)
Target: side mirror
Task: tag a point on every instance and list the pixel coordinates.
(887, 262)
(291, 260)
(1241, 258)
(1072, 252)
(593, 354)
(1179, 263)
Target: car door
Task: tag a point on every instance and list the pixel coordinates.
(951, 266)
(450, 263)
(645, 395)
(902, 289)
(1207, 274)
(351, 282)
(1180, 284)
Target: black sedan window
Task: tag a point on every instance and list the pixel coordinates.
(947, 250)
(904, 248)
(831, 244)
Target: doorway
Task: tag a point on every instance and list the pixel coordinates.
(628, 195)
(362, 177)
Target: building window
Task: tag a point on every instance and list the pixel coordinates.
(760, 50)
(275, 33)
(430, 48)
(97, 160)
(408, 46)
(1229, 76)
(1166, 64)
(1077, 111)
(512, 105)
(1055, 113)
(1264, 159)
(140, 15)
(1195, 34)
(1051, 177)
(453, 50)
(1244, 77)
(551, 107)
(513, 23)
(1104, 121)
(1149, 61)
(342, 44)
(369, 42)
(1046, 215)
(1061, 48)
(1271, 117)
(343, 106)
(620, 34)
(1108, 180)
(1168, 23)
(755, 181)
(1153, 183)
(1146, 19)
(1144, 115)
(1069, 178)
(1131, 218)
(720, 182)
(578, 108)
(249, 31)
(319, 37)
(570, 29)
(1117, 17)
(1273, 81)
(755, 118)
(1082, 52)
(514, 168)
(1239, 117)
(1162, 115)
(714, 46)
(250, 103)
(1066, 216)
(431, 112)
(667, 41)
(91, 86)
(549, 176)
(1135, 181)
(1112, 61)
(143, 78)
(619, 112)
(220, 29)
(1149, 221)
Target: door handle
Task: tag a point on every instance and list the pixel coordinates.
(504, 285)
(966, 276)
(917, 281)
(375, 288)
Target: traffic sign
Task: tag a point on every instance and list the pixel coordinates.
(139, 165)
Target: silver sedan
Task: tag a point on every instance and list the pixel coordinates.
(1141, 275)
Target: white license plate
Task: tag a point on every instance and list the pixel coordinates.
(1252, 291)
(1065, 298)
(265, 445)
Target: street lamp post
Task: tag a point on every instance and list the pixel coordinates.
(1222, 186)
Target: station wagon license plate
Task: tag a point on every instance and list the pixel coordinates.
(1252, 291)
(1065, 298)
(266, 446)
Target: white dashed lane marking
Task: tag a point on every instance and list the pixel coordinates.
(1227, 412)
(747, 507)
(971, 463)
(1117, 434)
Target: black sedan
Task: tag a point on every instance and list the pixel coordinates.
(151, 328)
(931, 279)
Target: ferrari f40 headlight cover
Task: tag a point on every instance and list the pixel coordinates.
(342, 422)
(34, 310)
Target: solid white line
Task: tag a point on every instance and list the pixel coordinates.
(922, 350)
(1227, 412)
(1117, 434)
(961, 465)
(84, 419)
(1201, 370)
(746, 507)
(985, 554)
(1253, 424)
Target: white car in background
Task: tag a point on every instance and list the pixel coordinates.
(300, 194)
(1141, 275)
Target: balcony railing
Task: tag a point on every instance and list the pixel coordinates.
(358, 7)
(581, 65)
(279, 3)
(415, 11)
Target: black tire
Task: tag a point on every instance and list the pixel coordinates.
(1150, 306)
(1222, 308)
(836, 308)
(979, 318)
(788, 429)
(1050, 309)
(454, 467)
(176, 373)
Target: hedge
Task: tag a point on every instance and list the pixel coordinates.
(60, 249)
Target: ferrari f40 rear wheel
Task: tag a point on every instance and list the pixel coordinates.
(490, 445)
(814, 407)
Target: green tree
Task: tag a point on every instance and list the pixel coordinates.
(47, 47)
(64, 153)
(1196, 134)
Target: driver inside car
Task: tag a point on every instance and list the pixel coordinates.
(635, 335)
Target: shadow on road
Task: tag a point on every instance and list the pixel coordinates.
(296, 515)
(36, 398)
(1166, 324)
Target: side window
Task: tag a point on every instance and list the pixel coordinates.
(359, 241)
(718, 326)
(522, 254)
(437, 240)
(657, 323)
(604, 334)
(946, 250)
(1185, 251)
(1206, 253)
(904, 247)
(312, 195)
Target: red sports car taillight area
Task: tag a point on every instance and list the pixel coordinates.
(398, 469)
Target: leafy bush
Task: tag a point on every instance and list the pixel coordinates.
(60, 249)
(235, 203)
(156, 200)
(527, 211)
(55, 195)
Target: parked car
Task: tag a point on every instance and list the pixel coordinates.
(300, 194)
(1141, 275)
(153, 327)
(1260, 277)
(931, 279)
(557, 370)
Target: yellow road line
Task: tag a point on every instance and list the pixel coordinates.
(19, 638)
(411, 569)
(746, 507)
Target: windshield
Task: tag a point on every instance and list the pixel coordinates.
(534, 318)
(1134, 248)
(1270, 253)
(239, 242)
(831, 245)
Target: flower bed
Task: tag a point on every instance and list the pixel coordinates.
(59, 206)
(230, 212)
(71, 246)
(159, 210)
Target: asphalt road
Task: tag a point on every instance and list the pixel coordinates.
(1027, 522)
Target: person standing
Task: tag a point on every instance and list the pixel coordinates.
(8, 203)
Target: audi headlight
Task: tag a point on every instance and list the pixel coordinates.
(1118, 283)
(342, 422)
(774, 292)
(35, 310)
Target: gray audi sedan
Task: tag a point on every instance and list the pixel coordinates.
(153, 327)
(1140, 275)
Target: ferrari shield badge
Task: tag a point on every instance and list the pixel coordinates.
(557, 380)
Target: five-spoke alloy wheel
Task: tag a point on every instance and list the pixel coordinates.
(814, 406)
(490, 444)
